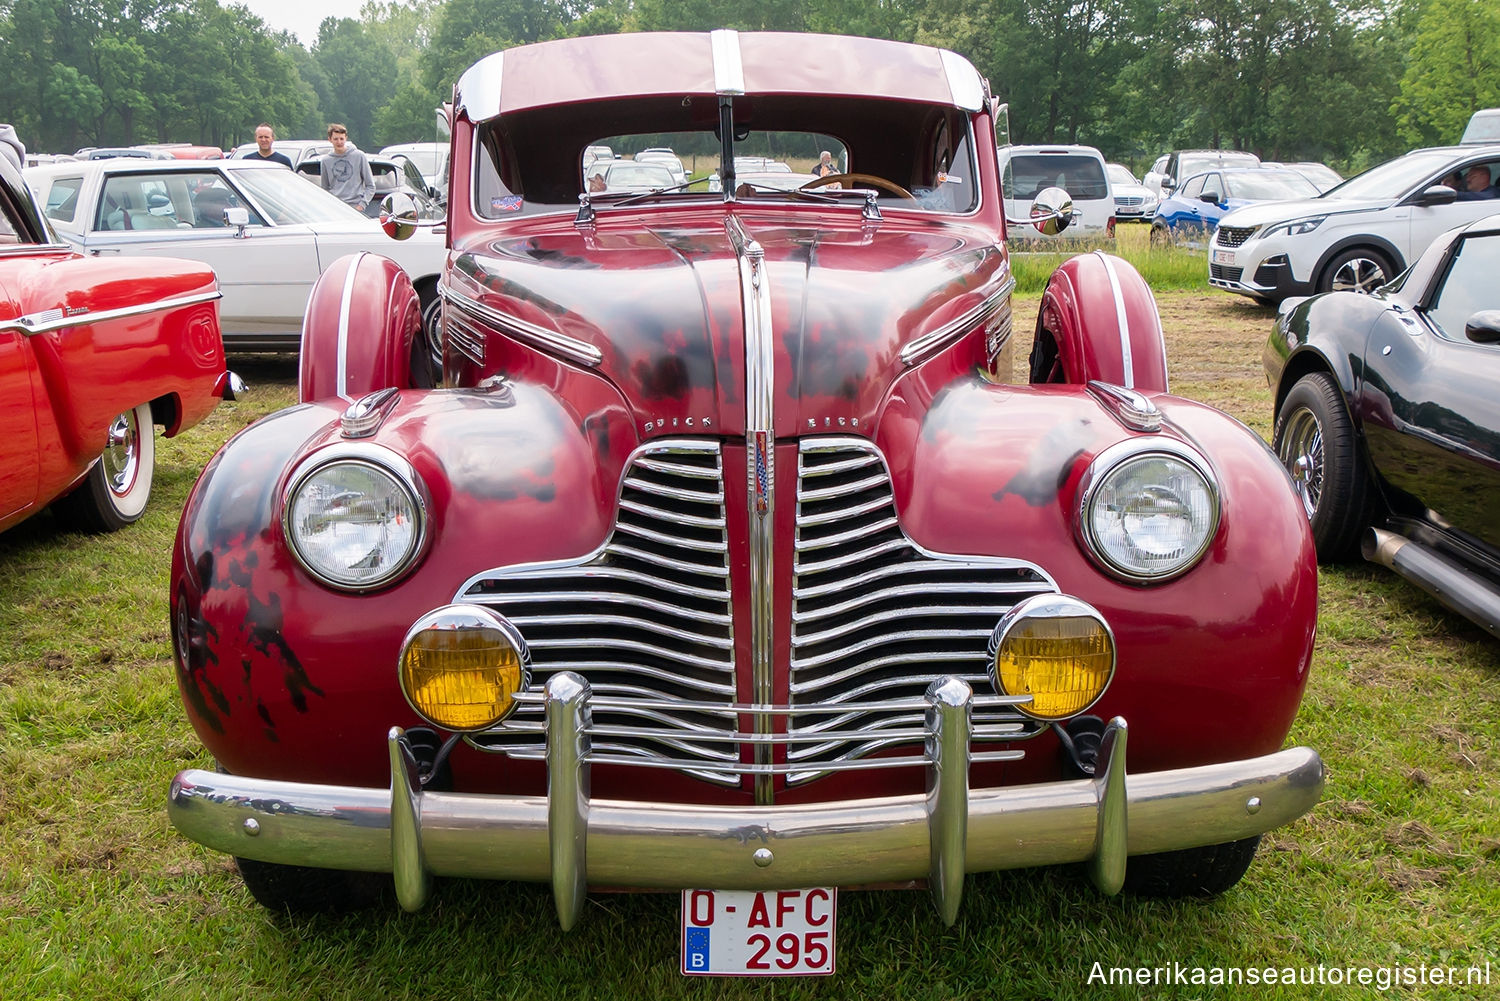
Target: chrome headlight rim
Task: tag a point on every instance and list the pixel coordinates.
(1051, 605)
(385, 461)
(1118, 456)
(487, 618)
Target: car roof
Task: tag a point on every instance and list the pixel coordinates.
(136, 165)
(1055, 148)
(705, 64)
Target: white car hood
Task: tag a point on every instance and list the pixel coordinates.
(1270, 213)
(1132, 191)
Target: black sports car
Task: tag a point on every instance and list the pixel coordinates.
(1388, 419)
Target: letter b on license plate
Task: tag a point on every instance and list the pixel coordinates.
(747, 933)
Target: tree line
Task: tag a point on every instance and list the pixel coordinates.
(1348, 82)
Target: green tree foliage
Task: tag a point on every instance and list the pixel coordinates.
(1347, 81)
(1452, 72)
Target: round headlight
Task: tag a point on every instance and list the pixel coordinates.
(355, 522)
(461, 667)
(1148, 512)
(1056, 649)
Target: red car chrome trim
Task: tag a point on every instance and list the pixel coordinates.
(729, 72)
(570, 348)
(349, 277)
(760, 423)
(922, 346)
(57, 319)
(1127, 363)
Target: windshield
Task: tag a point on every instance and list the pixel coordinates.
(909, 156)
(428, 161)
(1197, 163)
(1028, 174)
(1393, 178)
(1268, 185)
(288, 198)
(1120, 175)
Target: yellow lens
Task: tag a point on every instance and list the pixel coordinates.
(1062, 661)
(462, 676)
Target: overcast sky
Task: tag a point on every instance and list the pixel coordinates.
(300, 17)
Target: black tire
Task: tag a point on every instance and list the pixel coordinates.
(1316, 441)
(299, 890)
(427, 346)
(115, 492)
(1191, 872)
(1358, 269)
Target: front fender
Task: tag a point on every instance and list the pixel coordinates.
(357, 333)
(1100, 315)
(514, 476)
(1211, 665)
(1325, 333)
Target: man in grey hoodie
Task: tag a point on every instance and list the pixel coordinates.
(345, 172)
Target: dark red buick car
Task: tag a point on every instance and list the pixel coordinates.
(734, 557)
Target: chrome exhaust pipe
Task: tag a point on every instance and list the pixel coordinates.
(1438, 575)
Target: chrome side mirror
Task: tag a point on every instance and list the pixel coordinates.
(1051, 212)
(238, 217)
(398, 215)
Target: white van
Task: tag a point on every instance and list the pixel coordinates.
(1025, 171)
(1484, 127)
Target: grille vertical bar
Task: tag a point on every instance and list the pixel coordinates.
(874, 615)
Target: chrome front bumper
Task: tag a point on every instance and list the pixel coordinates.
(571, 840)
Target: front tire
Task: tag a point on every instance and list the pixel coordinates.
(1161, 237)
(427, 346)
(1359, 269)
(1190, 872)
(299, 890)
(1316, 442)
(115, 492)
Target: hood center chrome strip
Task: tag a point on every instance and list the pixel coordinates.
(760, 444)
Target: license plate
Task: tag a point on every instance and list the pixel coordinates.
(758, 933)
(1223, 257)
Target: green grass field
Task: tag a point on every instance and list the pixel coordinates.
(1398, 867)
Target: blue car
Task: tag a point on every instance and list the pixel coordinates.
(1193, 211)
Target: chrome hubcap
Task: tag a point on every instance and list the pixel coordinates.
(1358, 275)
(122, 454)
(1302, 454)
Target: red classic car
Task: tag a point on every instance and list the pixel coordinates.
(730, 559)
(93, 353)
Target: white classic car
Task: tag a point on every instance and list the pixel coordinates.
(266, 232)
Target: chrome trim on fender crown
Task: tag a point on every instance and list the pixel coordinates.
(729, 71)
(918, 348)
(57, 319)
(541, 338)
(1130, 408)
(760, 443)
(344, 303)
(1127, 363)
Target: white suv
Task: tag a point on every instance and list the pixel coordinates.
(1358, 235)
(1025, 171)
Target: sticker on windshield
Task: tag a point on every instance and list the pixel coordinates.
(949, 179)
(508, 203)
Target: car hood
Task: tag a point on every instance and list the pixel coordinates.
(1132, 191)
(1269, 213)
(661, 306)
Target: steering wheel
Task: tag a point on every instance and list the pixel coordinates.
(890, 187)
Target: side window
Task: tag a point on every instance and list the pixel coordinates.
(62, 199)
(1213, 184)
(209, 195)
(1194, 187)
(1469, 285)
(1160, 165)
(1477, 182)
(138, 201)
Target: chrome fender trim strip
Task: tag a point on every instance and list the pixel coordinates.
(55, 319)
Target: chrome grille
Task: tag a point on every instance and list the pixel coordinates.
(1234, 236)
(646, 619)
(1128, 200)
(876, 617)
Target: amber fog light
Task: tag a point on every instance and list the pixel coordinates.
(461, 667)
(1056, 649)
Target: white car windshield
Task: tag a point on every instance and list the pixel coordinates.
(1393, 178)
(288, 198)
(1120, 175)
